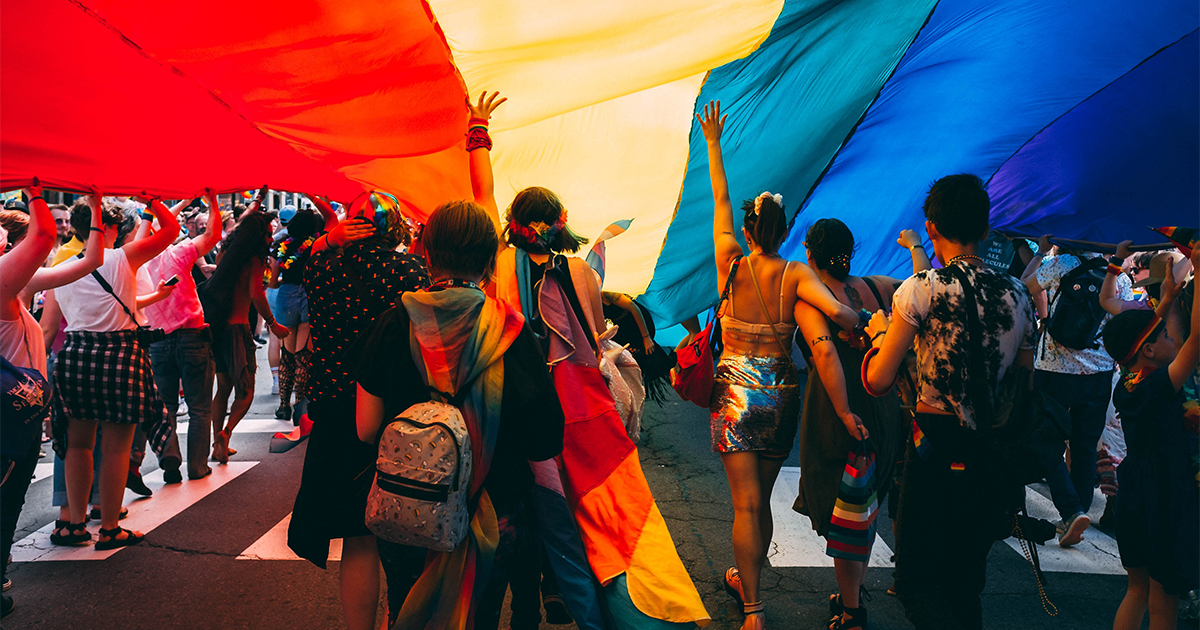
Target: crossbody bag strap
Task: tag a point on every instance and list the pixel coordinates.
(977, 374)
(763, 303)
(875, 291)
(107, 287)
(733, 267)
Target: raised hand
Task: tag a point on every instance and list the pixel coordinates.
(908, 239)
(210, 196)
(33, 191)
(350, 230)
(486, 105)
(1123, 249)
(712, 124)
(1044, 244)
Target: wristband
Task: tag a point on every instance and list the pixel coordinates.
(35, 197)
(477, 122)
(147, 216)
(1114, 265)
(478, 138)
(96, 229)
(916, 246)
(877, 335)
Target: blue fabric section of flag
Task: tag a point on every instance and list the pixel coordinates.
(1125, 158)
(982, 79)
(564, 549)
(790, 105)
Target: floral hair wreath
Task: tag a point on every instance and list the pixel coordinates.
(778, 198)
(539, 235)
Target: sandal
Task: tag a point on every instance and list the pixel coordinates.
(836, 607)
(733, 584)
(94, 515)
(115, 543)
(76, 535)
(851, 619)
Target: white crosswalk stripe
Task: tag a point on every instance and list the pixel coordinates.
(795, 544)
(1097, 554)
(144, 514)
(273, 545)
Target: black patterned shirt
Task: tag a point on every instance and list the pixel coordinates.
(338, 314)
(933, 302)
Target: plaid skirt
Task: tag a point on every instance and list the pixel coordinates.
(106, 377)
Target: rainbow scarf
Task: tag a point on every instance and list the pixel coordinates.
(459, 336)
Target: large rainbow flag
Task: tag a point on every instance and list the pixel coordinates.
(1082, 116)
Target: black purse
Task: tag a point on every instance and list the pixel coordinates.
(1024, 429)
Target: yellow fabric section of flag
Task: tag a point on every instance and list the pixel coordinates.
(659, 584)
(600, 105)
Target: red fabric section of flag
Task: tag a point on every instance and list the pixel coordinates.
(312, 96)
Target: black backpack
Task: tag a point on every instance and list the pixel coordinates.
(1077, 318)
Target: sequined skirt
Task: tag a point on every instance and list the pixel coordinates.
(755, 405)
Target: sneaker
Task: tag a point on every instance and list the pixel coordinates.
(1072, 530)
(274, 383)
(172, 476)
(7, 584)
(260, 340)
(284, 412)
(134, 482)
(556, 611)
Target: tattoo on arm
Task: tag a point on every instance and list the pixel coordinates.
(820, 339)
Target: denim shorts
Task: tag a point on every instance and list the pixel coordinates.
(291, 305)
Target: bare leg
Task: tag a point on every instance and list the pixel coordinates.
(749, 547)
(220, 405)
(359, 577)
(850, 576)
(1133, 607)
(81, 436)
(113, 469)
(241, 404)
(1164, 608)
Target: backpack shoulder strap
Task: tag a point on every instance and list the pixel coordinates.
(875, 291)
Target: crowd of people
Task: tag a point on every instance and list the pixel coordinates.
(367, 316)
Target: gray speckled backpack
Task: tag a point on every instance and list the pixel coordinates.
(422, 479)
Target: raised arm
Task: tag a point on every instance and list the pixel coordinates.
(1030, 276)
(73, 269)
(725, 244)
(911, 241)
(256, 203)
(1189, 355)
(479, 147)
(140, 252)
(816, 334)
(625, 303)
(1108, 291)
(326, 210)
(207, 241)
(18, 266)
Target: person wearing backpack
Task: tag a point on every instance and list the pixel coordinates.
(952, 499)
(1072, 367)
(455, 345)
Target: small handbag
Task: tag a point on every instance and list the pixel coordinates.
(852, 527)
(692, 376)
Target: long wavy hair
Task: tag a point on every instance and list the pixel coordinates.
(249, 241)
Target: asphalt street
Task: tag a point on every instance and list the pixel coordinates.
(215, 555)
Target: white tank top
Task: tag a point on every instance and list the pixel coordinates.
(21, 342)
(87, 306)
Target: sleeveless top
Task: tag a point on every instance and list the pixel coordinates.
(757, 333)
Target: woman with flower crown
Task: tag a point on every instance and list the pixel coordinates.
(756, 394)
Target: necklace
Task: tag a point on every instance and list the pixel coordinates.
(453, 283)
(964, 257)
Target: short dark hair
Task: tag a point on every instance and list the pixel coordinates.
(540, 205)
(958, 207)
(1122, 331)
(81, 216)
(304, 224)
(831, 245)
(769, 226)
(460, 238)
